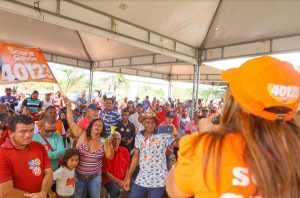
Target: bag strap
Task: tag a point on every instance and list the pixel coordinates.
(47, 143)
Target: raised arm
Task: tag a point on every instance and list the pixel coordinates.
(108, 149)
(76, 130)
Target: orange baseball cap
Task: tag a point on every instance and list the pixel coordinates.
(265, 82)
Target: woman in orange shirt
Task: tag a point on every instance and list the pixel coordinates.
(255, 150)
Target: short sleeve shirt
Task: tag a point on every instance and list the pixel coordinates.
(24, 167)
(34, 105)
(153, 167)
(83, 123)
(111, 118)
(236, 179)
(128, 132)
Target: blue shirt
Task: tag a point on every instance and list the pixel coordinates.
(146, 104)
(111, 118)
(82, 101)
(11, 99)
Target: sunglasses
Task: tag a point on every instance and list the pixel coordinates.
(49, 131)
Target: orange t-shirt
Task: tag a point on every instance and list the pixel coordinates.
(236, 179)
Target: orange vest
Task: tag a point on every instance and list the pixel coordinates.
(59, 126)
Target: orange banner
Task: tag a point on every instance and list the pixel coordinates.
(19, 64)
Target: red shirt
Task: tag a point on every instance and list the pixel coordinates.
(83, 123)
(24, 167)
(162, 117)
(4, 135)
(118, 165)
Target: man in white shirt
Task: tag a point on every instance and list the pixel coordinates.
(134, 118)
(47, 101)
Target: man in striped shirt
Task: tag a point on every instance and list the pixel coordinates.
(109, 116)
(33, 103)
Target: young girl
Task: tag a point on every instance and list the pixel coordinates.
(65, 175)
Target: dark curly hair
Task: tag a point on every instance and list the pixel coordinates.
(89, 128)
(68, 154)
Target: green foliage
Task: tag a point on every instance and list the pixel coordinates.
(72, 81)
(181, 93)
(211, 93)
(114, 82)
(203, 93)
(150, 91)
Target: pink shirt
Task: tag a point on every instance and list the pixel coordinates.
(83, 123)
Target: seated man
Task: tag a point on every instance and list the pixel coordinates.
(25, 167)
(51, 111)
(51, 140)
(114, 171)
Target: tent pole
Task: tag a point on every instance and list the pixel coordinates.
(170, 89)
(91, 82)
(197, 86)
(194, 89)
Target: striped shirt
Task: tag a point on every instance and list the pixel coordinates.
(34, 105)
(111, 118)
(90, 163)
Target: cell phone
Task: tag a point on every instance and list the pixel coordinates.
(165, 129)
(216, 119)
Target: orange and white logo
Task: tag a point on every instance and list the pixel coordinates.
(287, 94)
(37, 171)
(34, 166)
(20, 64)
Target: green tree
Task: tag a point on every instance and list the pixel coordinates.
(182, 94)
(154, 92)
(114, 82)
(211, 92)
(119, 82)
(72, 81)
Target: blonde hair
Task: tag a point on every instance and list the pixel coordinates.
(272, 149)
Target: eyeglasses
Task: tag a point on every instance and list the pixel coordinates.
(49, 131)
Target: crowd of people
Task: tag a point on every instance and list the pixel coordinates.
(99, 143)
(49, 149)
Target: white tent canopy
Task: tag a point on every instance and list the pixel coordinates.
(160, 39)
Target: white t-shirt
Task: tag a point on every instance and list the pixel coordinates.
(65, 181)
(134, 119)
(47, 104)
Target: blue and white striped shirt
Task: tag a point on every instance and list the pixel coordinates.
(111, 118)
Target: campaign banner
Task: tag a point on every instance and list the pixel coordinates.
(21, 64)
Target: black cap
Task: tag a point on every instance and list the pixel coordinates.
(93, 107)
(170, 114)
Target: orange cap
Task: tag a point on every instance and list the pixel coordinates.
(265, 82)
